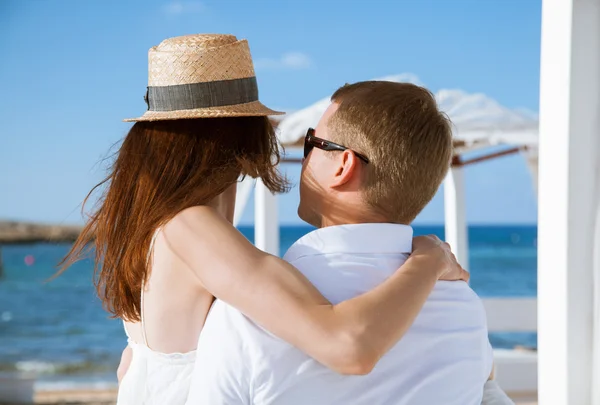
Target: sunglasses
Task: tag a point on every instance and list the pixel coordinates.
(311, 141)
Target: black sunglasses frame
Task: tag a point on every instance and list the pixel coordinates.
(311, 141)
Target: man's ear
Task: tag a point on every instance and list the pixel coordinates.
(347, 169)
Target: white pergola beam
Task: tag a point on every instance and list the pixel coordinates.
(455, 215)
(568, 165)
(266, 219)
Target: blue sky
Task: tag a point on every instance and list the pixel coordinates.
(72, 70)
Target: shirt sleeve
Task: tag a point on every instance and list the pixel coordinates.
(493, 395)
(223, 368)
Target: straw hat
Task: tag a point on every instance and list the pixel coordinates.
(201, 76)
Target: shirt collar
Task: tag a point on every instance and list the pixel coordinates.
(371, 238)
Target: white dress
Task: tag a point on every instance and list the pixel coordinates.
(155, 378)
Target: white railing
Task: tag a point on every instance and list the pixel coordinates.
(511, 314)
(516, 370)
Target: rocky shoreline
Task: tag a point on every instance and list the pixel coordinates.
(16, 232)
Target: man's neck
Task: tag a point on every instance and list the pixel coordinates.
(346, 217)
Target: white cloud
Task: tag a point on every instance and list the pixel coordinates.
(289, 60)
(296, 60)
(183, 7)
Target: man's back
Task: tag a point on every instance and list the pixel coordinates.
(444, 358)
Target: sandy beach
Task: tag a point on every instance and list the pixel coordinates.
(88, 397)
(108, 397)
(74, 397)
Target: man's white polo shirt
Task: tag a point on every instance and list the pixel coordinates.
(444, 359)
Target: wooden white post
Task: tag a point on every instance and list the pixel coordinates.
(568, 165)
(455, 215)
(266, 221)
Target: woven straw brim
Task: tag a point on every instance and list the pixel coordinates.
(253, 109)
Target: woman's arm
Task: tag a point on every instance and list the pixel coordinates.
(349, 337)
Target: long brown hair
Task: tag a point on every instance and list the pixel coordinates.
(161, 169)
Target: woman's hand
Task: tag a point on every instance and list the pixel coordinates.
(434, 254)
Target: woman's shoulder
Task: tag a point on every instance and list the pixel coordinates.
(200, 220)
(203, 228)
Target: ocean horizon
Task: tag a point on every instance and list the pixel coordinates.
(58, 330)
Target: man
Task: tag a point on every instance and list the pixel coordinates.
(376, 158)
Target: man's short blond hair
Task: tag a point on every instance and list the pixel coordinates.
(407, 139)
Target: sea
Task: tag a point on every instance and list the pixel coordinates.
(58, 331)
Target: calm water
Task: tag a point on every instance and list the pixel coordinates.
(59, 330)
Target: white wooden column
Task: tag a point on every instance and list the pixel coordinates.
(266, 221)
(568, 165)
(455, 215)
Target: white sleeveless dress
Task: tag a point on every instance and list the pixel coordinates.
(155, 378)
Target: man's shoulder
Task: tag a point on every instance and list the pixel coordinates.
(455, 289)
(459, 300)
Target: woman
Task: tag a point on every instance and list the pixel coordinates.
(165, 246)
